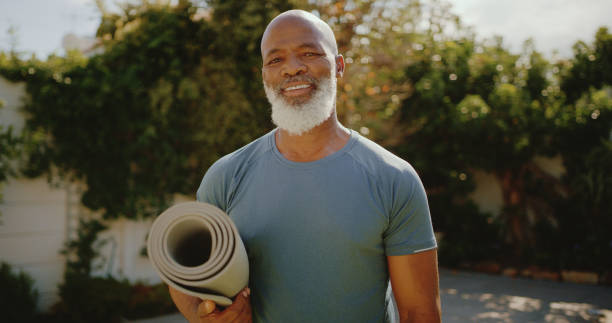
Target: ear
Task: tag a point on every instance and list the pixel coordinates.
(339, 66)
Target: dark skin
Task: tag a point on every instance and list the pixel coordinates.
(414, 279)
(196, 310)
(298, 44)
(293, 46)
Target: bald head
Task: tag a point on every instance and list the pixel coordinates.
(301, 17)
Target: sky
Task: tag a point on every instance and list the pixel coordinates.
(553, 24)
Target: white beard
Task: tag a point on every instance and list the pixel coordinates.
(301, 117)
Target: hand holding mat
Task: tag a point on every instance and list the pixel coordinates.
(195, 248)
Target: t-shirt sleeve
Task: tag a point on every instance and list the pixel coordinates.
(214, 186)
(409, 229)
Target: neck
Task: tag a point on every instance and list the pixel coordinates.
(319, 142)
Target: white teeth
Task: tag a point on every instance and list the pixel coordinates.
(303, 86)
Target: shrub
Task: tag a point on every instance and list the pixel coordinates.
(149, 301)
(18, 297)
(469, 236)
(91, 299)
(106, 299)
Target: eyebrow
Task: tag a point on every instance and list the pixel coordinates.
(304, 45)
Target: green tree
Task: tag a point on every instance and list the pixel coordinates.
(19, 297)
(168, 96)
(590, 67)
(478, 107)
(9, 147)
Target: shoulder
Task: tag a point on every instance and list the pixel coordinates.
(219, 177)
(242, 157)
(380, 162)
(396, 181)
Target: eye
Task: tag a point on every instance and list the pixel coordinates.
(274, 60)
(310, 54)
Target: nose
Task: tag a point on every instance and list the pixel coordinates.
(294, 66)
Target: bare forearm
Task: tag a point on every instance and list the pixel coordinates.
(414, 279)
(421, 316)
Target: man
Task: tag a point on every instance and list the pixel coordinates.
(327, 216)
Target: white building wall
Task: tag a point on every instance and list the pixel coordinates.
(11, 94)
(32, 231)
(125, 241)
(33, 221)
(38, 218)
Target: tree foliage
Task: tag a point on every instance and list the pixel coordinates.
(19, 297)
(9, 147)
(168, 96)
(591, 66)
(478, 107)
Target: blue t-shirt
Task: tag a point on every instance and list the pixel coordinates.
(317, 233)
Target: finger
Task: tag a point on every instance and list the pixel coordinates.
(246, 292)
(206, 307)
(246, 316)
(239, 309)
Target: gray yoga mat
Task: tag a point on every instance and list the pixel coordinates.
(195, 248)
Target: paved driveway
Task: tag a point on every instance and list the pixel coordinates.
(475, 297)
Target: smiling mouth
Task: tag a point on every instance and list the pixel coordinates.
(297, 87)
(299, 90)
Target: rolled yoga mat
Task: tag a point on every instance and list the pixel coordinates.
(195, 248)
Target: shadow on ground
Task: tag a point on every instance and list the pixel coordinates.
(475, 297)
